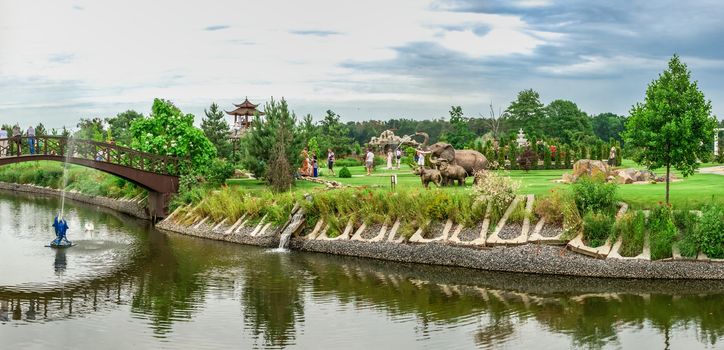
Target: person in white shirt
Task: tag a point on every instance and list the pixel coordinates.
(369, 161)
(421, 159)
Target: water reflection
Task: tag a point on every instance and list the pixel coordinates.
(251, 298)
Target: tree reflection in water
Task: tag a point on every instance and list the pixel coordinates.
(172, 279)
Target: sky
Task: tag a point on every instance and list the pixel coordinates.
(65, 60)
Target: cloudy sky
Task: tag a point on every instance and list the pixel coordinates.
(63, 60)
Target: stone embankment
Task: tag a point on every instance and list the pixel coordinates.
(535, 246)
(131, 206)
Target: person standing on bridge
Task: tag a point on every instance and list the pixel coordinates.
(16, 137)
(3, 142)
(31, 139)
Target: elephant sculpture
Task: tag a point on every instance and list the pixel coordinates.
(451, 173)
(471, 160)
(429, 175)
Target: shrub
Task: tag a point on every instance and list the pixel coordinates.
(218, 171)
(552, 206)
(631, 228)
(546, 158)
(347, 162)
(344, 173)
(594, 195)
(662, 232)
(597, 228)
(710, 232)
(689, 242)
(496, 189)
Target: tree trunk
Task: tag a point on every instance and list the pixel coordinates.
(668, 171)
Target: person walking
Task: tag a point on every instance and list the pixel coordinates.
(330, 161)
(16, 138)
(369, 161)
(31, 139)
(398, 155)
(315, 165)
(612, 156)
(3, 142)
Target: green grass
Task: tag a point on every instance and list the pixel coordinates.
(693, 192)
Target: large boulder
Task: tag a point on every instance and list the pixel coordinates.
(593, 168)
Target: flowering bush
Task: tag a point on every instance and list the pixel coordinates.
(496, 189)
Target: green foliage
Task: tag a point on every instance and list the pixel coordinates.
(689, 241)
(216, 129)
(608, 126)
(459, 135)
(167, 131)
(662, 232)
(597, 228)
(334, 134)
(519, 214)
(594, 195)
(344, 173)
(674, 125)
(710, 232)
(84, 180)
(631, 228)
(553, 206)
(90, 129)
(566, 122)
(346, 162)
(120, 126)
(526, 112)
(259, 141)
(546, 158)
(218, 171)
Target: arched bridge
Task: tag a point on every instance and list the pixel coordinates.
(157, 174)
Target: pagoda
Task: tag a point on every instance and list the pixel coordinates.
(241, 116)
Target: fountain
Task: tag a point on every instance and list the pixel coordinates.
(60, 224)
(522, 141)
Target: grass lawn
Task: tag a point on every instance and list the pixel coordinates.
(692, 192)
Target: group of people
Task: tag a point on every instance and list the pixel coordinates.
(310, 164)
(6, 147)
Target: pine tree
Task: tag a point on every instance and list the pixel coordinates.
(217, 130)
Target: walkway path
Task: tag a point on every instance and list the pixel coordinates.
(718, 170)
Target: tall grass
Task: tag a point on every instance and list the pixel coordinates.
(662, 232)
(81, 179)
(631, 228)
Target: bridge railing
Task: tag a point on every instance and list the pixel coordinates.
(90, 150)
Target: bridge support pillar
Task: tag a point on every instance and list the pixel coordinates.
(158, 204)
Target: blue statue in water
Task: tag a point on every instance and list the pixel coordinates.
(60, 226)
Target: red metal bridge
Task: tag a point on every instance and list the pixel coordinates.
(159, 175)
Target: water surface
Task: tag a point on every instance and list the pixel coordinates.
(126, 285)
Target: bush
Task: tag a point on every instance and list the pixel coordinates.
(710, 232)
(346, 162)
(218, 171)
(631, 228)
(594, 195)
(344, 173)
(496, 189)
(662, 232)
(553, 206)
(519, 214)
(597, 228)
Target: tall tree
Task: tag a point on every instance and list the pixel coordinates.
(566, 122)
(526, 112)
(459, 135)
(608, 126)
(90, 129)
(333, 134)
(168, 131)
(674, 125)
(216, 130)
(259, 143)
(120, 126)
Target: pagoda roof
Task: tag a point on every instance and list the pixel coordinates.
(245, 108)
(246, 104)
